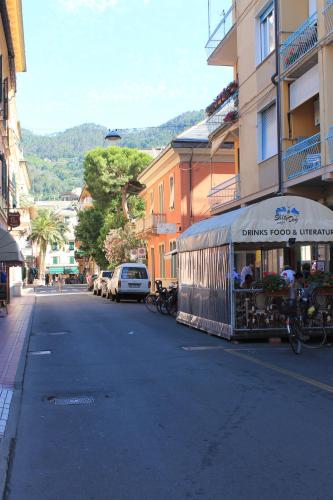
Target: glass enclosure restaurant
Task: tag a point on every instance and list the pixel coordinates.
(266, 236)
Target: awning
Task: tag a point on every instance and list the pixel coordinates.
(55, 270)
(274, 220)
(62, 270)
(10, 253)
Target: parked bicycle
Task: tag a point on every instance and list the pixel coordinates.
(300, 311)
(163, 300)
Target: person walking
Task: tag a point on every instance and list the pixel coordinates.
(47, 280)
(60, 282)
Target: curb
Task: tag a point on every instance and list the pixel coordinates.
(7, 446)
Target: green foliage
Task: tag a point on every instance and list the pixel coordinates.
(56, 160)
(87, 232)
(106, 171)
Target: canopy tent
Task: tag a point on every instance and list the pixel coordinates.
(270, 221)
(10, 253)
(207, 298)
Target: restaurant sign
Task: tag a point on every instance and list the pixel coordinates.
(14, 219)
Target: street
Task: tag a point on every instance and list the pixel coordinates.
(123, 404)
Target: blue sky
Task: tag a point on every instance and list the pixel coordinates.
(118, 63)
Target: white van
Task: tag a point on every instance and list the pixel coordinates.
(129, 281)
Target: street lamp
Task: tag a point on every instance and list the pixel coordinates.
(112, 135)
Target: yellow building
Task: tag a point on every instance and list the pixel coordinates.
(244, 39)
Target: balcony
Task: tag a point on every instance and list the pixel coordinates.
(328, 16)
(226, 113)
(222, 44)
(329, 140)
(225, 193)
(149, 224)
(303, 157)
(300, 43)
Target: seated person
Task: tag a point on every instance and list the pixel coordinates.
(247, 281)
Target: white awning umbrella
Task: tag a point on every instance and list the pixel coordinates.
(273, 220)
(10, 253)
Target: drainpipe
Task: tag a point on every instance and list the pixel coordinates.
(277, 82)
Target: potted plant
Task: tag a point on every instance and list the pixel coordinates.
(273, 284)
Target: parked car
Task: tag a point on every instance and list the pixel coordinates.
(129, 281)
(104, 292)
(101, 278)
(90, 281)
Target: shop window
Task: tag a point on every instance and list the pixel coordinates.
(161, 250)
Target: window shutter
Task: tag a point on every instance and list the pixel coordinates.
(268, 133)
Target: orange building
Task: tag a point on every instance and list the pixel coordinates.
(177, 184)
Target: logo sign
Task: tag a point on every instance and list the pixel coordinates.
(14, 219)
(286, 215)
(142, 253)
(166, 228)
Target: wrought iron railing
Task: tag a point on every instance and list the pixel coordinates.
(220, 31)
(224, 193)
(302, 157)
(228, 109)
(328, 16)
(300, 42)
(149, 223)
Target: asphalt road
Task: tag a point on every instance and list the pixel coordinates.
(226, 421)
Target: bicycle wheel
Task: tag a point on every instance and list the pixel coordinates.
(150, 302)
(162, 306)
(172, 307)
(320, 340)
(294, 335)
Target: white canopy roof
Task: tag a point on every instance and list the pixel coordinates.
(9, 250)
(269, 221)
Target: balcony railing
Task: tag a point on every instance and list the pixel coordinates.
(302, 157)
(149, 224)
(220, 31)
(224, 193)
(328, 16)
(228, 109)
(300, 42)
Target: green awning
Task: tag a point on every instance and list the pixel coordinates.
(71, 270)
(55, 270)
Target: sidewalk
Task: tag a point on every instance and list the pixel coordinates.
(13, 332)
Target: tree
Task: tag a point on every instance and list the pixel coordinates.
(111, 176)
(47, 228)
(119, 243)
(88, 231)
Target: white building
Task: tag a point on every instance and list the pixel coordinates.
(61, 259)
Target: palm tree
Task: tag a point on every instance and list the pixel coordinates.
(47, 228)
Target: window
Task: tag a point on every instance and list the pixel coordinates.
(71, 260)
(172, 192)
(267, 36)
(136, 273)
(161, 250)
(4, 178)
(173, 260)
(268, 133)
(5, 113)
(71, 245)
(151, 200)
(54, 247)
(161, 198)
(55, 260)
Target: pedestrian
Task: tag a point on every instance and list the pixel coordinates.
(60, 282)
(288, 274)
(247, 281)
(47, 279)
(247, 270)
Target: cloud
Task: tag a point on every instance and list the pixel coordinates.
(98, 5)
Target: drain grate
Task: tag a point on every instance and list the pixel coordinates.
(39, 334)
(39, 353)
(71, 400)
(202, 347)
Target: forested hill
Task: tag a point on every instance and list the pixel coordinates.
(56, 160)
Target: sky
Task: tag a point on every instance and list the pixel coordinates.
(117, 63)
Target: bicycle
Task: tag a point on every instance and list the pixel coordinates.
(153, 300)
(299, 312)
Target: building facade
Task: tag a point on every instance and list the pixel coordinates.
(175, 195)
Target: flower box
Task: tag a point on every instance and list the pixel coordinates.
(324, 290)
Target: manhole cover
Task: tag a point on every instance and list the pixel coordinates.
(202, 347)
(71, 400)
(39, 353)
